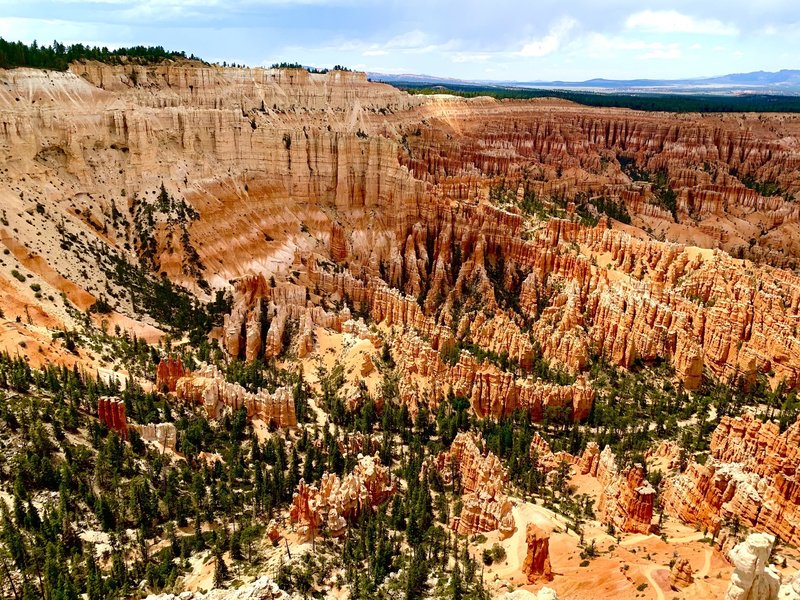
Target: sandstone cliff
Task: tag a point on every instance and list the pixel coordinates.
(208, 387)
(337, 501)
(751, 477)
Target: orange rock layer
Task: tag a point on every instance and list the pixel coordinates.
(752, 476)
(337, 501)
(208, 387)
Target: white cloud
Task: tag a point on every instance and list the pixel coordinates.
(550, 42)
(670, 52)
(671, 21)
(597, 45)
(45, 31)
(471, 57)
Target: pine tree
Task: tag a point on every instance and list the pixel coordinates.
(220, 569)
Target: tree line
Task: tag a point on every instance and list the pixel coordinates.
(58, 56)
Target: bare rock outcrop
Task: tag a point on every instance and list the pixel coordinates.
(111, 413)
(169, 370)
(337, 501)
(680, 575)
(590, 460)
(492, 392)
(482, 479)
(207, 386)
(262, 588)
(537, 560)
(791, 589)
(544, 593)
(627, 501)
(163, 434)
(466, 465)
(751, 476)
(753, 577)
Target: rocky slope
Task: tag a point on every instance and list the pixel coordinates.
(270, 171)
(337, 501)
(750, 478)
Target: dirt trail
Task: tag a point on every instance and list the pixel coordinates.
(706, 566)
(648, 573)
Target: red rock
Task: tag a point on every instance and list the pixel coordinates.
(111, 413)
(481, 479)
(751, 475)
(169, 370)
(627, 501)
(537, 560)
(680, 575)
(335, 502)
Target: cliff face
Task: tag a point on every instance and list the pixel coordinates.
(208, 387)
(388, 203)
(482, 480)
(337, 501)
(750, 476)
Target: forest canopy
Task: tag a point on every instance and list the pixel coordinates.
(58, 56)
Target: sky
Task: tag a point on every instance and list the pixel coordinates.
(534, 40)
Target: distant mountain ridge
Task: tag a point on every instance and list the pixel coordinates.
(783, 81)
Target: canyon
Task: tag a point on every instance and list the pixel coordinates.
(272, 196)
(476, 271)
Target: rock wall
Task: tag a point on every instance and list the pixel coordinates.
(207, 386)
(260, 314)
(337, 501)
(283, 166)
(626, 500)
(751, 475)
(491, 391)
